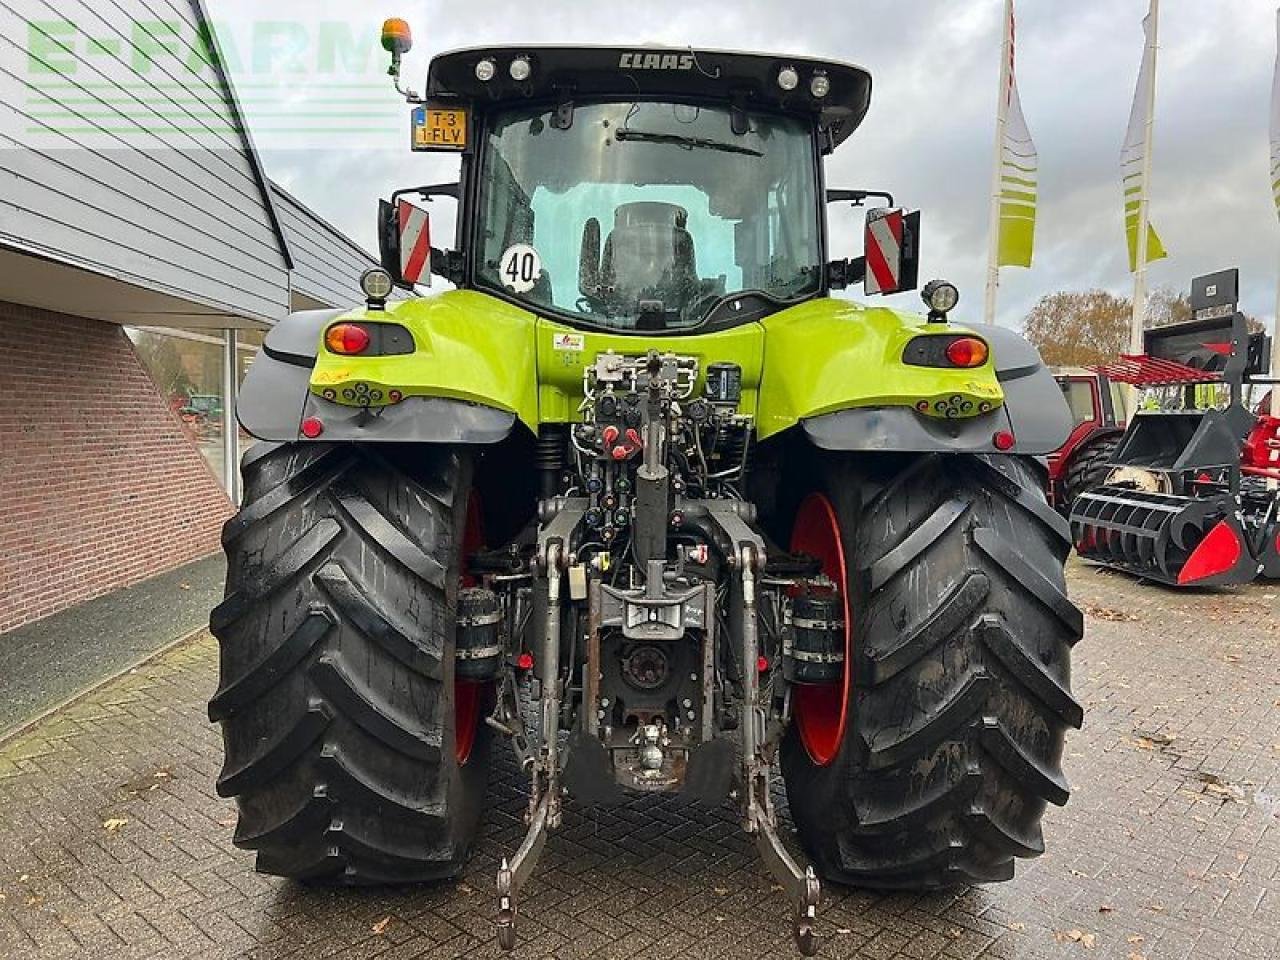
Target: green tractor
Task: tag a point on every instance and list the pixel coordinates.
(640, 498)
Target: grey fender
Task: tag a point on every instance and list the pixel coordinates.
(275, 398)
(1034, 411)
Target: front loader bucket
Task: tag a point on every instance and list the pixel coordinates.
(1176, 540)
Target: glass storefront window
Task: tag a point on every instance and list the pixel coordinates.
(186, 366)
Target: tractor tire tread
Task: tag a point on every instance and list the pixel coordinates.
(336, 687)
(1087, 468)
(961, 691)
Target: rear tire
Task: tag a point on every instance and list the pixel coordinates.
(1088, 468)
(961, 638)
(337, 672)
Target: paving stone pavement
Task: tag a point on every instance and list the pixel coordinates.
(113, 845)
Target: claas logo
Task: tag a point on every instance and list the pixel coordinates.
(655, 61)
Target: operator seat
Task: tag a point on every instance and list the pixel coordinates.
(649, 255)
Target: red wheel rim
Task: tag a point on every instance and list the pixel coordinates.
(468, 695)
(821, 711)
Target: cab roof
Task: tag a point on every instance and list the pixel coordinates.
(748, 80)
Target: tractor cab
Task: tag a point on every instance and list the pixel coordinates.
(639, 189)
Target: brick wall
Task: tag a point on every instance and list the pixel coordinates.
(99, 486)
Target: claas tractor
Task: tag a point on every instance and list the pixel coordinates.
(639, 499)
(1098, 413)
(1191, 496)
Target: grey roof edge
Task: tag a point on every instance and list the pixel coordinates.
(321, 221)
(246, 137)
(28, 248)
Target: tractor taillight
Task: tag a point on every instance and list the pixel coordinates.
(967, 352)
(347, 338)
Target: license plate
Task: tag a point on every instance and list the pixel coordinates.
(439, 128)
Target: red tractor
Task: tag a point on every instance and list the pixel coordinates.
(1194, 496)
(1098, 412)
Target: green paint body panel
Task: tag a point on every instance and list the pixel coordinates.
(814, 358)
(469, 347)
(826, 355)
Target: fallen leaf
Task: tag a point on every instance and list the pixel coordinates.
(114, 824)
(955, 933)
(1106, 908)
(1227, 791)
(1016, 926)
(34, 900)
(227, 822)
(24, 878)
(1135, 938)
(380, 927)
(1085, 939)
(1232, 657)
(1134, 955)
(1106, 613)
(1215, 785)
(719, 891)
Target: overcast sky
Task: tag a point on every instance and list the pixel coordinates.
(928, 136)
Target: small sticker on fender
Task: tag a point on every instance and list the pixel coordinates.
(336, 375)
(575, 342)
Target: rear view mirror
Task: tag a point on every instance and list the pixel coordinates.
(389, 240)
(415, 243)
(404, 242)
(892, 249)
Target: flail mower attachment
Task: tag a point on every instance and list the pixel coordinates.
(1176, 540)
(1174, 509)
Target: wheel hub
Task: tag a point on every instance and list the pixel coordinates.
(821, 711)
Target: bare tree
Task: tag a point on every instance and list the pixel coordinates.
(1077, 328)
(1073, 328)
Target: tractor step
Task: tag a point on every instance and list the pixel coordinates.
(1177, 540)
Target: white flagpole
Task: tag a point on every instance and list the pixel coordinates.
(1275, 357)
(1140, 274)
(1002, 111)
(1275, 326)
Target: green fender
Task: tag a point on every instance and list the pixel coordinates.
(833, 366)
(827, 355)
(468, 346)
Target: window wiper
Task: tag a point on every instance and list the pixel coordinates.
(688, 143)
